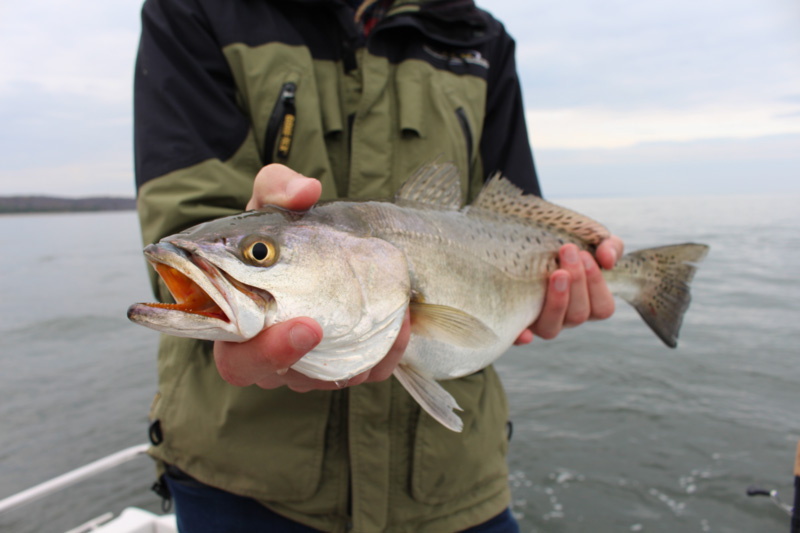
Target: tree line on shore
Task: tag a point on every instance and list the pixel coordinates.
(53, 204)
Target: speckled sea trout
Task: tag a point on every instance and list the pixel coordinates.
(473, 278)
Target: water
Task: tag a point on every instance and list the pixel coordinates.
(612, 431)
(76, 377)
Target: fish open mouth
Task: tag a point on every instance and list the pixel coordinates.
(209, 303)
(189, 297)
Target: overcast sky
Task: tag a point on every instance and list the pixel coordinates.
(623, 97)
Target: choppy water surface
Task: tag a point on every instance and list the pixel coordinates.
(612, 431)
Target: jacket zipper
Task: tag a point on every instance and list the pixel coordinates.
(462, 119)
(280, 127)
(465, 128)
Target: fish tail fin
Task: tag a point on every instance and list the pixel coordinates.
(655, 281)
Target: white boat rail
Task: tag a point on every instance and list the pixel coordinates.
(70, 478)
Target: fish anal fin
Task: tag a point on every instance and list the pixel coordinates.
(434, 185)
(431, 396)
(499, 195)
(449, 325)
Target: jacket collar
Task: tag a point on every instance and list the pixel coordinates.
(451, 22)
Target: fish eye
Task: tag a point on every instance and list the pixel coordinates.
(259, 251)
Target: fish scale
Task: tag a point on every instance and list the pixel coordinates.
(520, 249)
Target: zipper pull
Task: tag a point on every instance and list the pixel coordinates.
(289, 117)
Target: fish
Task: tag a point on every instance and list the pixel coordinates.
(473, 278)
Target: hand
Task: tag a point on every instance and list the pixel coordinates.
(280, 185)
(576, 292)
(265, 359)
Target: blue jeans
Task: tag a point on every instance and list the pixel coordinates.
(203, 509)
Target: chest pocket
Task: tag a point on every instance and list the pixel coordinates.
(449, 466)
(440, 115)
(278, 91)
(279, 134)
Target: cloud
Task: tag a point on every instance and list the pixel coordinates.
(80, 47)
(45, 132)
(611, 128)
(623, 54)
(609, 86)
(109, 173)
(765, 165)
(66, 76)
(636, 98)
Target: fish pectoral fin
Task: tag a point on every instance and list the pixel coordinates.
(431, 396)
(447, 324)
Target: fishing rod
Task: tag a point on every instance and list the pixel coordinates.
(792, 510)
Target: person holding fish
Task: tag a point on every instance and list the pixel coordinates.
(248, 104)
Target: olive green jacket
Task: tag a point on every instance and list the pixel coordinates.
(225, 87)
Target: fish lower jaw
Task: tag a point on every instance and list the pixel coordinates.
(176, 319)
(163, 318)
(210, 312)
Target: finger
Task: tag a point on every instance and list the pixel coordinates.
(602, 301)
(609, 251)
(270, 352)
(526, 337)
(551, 319)
(279, 185)
(381, 371)
(579, 307)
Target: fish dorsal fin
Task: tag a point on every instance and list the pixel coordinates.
(433, 185)
(499, 195)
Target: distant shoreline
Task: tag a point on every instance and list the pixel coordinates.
(11, 205)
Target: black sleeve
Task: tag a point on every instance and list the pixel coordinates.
(185, 107)
(504, 143)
